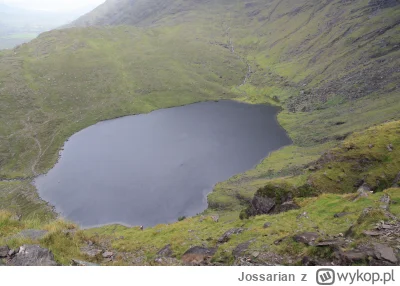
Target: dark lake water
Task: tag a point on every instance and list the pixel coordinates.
(153, 168)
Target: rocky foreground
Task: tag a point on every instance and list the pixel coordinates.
(380, 245)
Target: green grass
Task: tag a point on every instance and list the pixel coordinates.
(331, 66)
(135, 246)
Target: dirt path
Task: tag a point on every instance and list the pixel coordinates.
(28, 126)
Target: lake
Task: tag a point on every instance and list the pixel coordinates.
(153, 168)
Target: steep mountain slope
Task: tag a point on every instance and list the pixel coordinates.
(333, 66)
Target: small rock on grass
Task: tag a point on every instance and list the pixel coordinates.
(92, 252)
(342, 214)
(306, 237)
(227, 235)
(267, 225)
(108, 254)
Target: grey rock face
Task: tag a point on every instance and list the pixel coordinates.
(92, 252)
(108, 254)
(4, 251)
(263, 205)
(227, 235)
(306, 237)
(385, 252)
(33, 255)
(363, 191)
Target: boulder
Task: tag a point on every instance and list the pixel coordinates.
(363, 191)
(384, 252)
(108, 254)
(92, 252)
(4, 251)
(198, 255)
(262, 205)
(274, 199)
(33, 255)
(227, 235)
(306, 237)
(280, 240)
(267, 225)
(351, 256)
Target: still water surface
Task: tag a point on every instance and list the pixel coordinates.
(153, 168)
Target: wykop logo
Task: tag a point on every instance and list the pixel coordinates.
(325, 276)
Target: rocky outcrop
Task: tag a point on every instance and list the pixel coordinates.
(364, 191)
(227, 235)
(308, 238)
(272, 200)
(376, 254)
(33, 255)
(198, 255)
(384, 252)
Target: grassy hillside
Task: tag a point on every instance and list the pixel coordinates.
(350, 218)
(333, 67)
